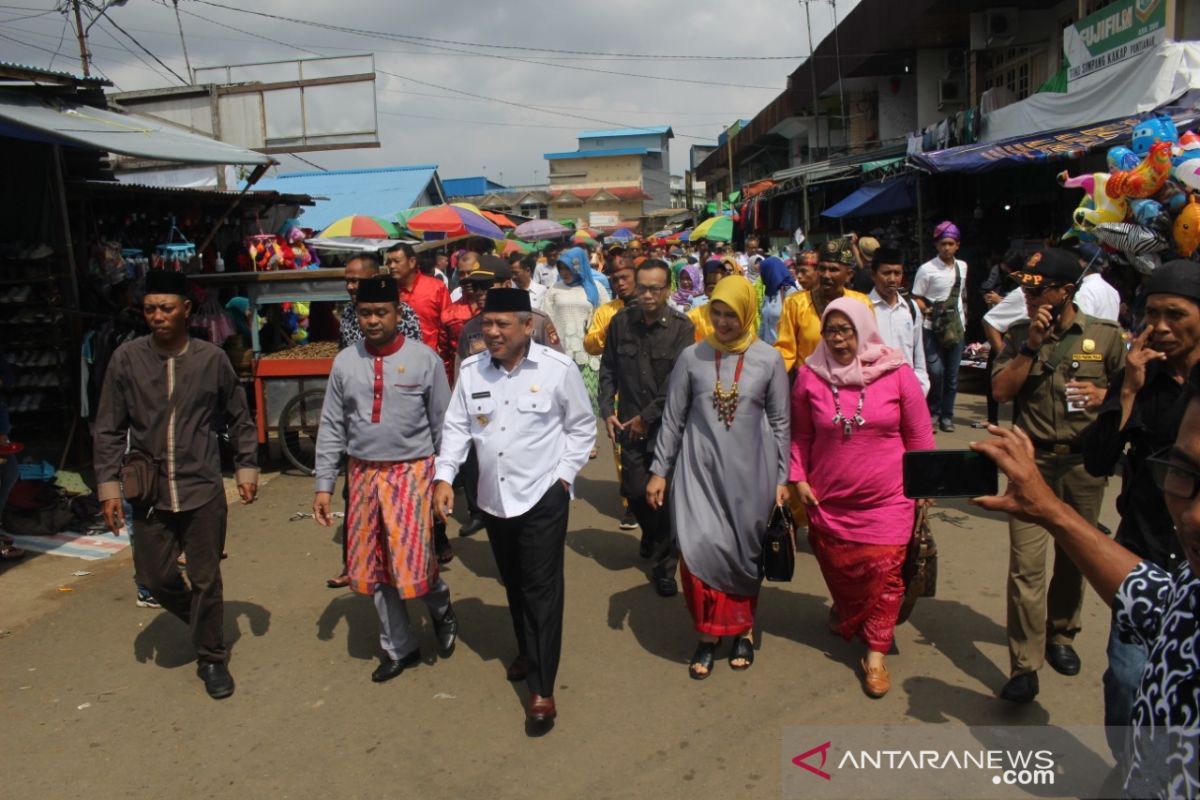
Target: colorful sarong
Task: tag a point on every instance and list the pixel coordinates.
(714, 612)
(866, 585)
(389, 526)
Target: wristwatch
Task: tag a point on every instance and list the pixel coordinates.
(1026, 350)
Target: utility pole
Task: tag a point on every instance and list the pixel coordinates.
(183, 43)
(812, 73)
(84, 55)
(837, 50)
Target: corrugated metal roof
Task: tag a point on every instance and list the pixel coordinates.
(617, 151)
(201, 192)
(649, 130)
(25, 115)
(470, 187)
(379, 192)
(12, 71)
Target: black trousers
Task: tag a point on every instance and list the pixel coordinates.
(469, 475)
(636, 460)
(529, 552)
(200, 535)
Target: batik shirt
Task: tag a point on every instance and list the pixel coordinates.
(351, 334)
(1161, 611)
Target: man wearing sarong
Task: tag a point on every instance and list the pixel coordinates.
(384, 405)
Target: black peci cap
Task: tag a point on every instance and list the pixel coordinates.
(378, 289)
(161, 281)
(507, 300)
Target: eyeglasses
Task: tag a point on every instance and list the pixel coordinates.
(1172, 478)
(649, 289)
(844, 331)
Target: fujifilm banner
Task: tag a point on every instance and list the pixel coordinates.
(1117, 32)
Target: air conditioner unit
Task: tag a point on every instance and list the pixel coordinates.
(999, 26)
(955, 62)
(950, 93)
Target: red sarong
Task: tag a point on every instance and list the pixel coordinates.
(714, 612)
(389, 526)
(866, 584)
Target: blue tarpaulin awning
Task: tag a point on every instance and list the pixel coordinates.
(885, 197)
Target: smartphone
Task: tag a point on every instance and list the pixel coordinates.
(949, 473)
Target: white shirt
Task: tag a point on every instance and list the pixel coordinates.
(530, 427)
(1095, 297)
(901, 329)
(546, 274)
(935, 280)
(536, 293)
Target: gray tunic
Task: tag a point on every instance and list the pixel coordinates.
(723, 486)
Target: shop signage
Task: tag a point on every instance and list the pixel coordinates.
(601, 219)
(1119, 31)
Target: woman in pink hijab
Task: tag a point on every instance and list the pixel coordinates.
(856, 408)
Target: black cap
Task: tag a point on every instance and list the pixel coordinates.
(491, 269)
(161, 281)
(887, 255)
(507, 300)
(1091, 253)
(378, 289)
(1180, 277)
(1053, 266)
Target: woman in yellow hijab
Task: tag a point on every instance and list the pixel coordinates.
(723, 447)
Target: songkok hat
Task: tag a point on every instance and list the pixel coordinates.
(491, 269)
(507, 300)
(1181, 277)
(835, 250)
(886, 255)
(161, 281)
(378, 289)
(946, 230)
(1052, 266)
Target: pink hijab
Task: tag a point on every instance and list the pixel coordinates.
(875, 359)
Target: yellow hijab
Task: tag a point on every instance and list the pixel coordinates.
(737, 293)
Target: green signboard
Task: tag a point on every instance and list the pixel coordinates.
(1115, 33)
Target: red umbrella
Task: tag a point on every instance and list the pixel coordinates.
(453, 221)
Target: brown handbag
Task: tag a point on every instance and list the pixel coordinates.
(139, 470)
(920, 565)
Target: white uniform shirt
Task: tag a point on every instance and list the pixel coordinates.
(546, 274)
(1095, 297)
(530, 427)
(901, 330)
(935, 280)
(536, 293)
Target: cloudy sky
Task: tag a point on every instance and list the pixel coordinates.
(428, 54)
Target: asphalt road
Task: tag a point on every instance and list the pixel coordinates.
(101, 697)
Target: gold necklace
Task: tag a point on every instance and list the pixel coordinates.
(726, 401)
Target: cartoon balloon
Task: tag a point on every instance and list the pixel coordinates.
(1173, 196)
(1131, 239)
(1097, 206)
(1151, 214)
(1122, 158)
(1187, 229)
(1146, 178)
(1187, 170)
(1147, 263)
(1151, 131)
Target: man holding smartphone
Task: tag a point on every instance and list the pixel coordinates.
(1055, 368)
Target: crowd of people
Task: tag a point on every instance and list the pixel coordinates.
(729, 383)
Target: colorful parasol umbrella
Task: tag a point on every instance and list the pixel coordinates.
(361, 226)
(584, 239)
(511, 246)
(498, 218)
(453, 220)
(540, 229)
(715, 229)
(622, 235)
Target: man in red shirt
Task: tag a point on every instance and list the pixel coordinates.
(427, 296)
(490, 271)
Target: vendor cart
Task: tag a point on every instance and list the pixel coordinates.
(288, 391)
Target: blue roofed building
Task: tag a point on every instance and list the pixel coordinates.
(613, 177)
(377, 192)
(477, 186)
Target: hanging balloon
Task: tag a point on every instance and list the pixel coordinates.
(1131, 239)
(1146, 178)
(1122, 158)
(1151, 214)
(1173, 196)
(1151, 131)
(1098, 207)
(1186, 231)
(1145, 264)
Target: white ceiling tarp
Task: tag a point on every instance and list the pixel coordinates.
(26, 115)
(1137, 86)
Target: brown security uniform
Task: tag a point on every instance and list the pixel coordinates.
(1089, 350)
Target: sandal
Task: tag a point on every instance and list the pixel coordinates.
(340, 582)
(743, 649)
(10, 553)
(703, 657)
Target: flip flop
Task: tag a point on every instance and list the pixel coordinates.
(703, 657)
(340, 582)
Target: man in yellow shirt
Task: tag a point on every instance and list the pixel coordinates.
(620, 275)
(800, 321)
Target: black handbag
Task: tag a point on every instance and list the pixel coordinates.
(779, 546)
(920, 566)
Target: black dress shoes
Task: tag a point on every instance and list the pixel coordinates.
(518, 669)
(665, 586)
(1063, 658)
(471, 526)
(446, 631)
(392, 668)
(217, 680)
(1020, 688)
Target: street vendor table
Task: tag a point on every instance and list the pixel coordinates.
(287, 391)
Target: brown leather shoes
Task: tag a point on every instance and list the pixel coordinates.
(876, 680)
(518, 669)
(541, 709)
